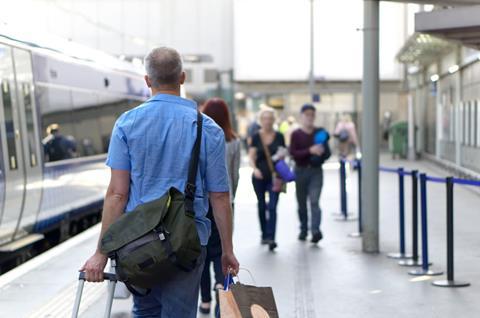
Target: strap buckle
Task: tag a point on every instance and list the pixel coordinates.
(190, 190)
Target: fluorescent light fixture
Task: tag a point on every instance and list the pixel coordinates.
(239, 96)
(452, 69)
(434, 77)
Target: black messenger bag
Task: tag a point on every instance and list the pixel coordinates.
(158, 239)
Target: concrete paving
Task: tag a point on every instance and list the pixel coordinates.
(335, 279)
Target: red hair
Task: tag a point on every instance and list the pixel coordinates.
(217, 109)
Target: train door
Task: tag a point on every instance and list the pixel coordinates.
(30, 140)
(10, 131)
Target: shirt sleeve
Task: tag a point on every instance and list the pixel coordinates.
(118, 155)
(216, 175)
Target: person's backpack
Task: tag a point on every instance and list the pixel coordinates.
(343, 135)
(159, 239)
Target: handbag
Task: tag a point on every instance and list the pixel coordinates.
(158, 239)
(278, 185)
(245, 301)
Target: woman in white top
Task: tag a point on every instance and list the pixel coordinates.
(217, 109)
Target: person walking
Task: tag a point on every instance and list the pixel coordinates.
(267, 145)
(149, 153)
(309, 149)
(346, 133)
(217, 109)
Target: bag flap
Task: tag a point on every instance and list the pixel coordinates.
(132, 225)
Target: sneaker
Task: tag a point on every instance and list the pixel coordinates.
(272, 246)
(302, 236)
(204, 308)
(317, 237)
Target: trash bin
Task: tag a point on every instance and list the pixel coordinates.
(398, 139)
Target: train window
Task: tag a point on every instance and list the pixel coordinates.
(57, 121)
(23, 70)
(210, 76)
(188, 75)
(87, 127)
(9, 124)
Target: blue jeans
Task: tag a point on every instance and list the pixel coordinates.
(267, 213)
(309, 182)
(174, 299)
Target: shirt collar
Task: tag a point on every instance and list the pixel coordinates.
(174, 99)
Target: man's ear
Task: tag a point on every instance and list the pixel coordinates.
(147, 80)
(183, 77)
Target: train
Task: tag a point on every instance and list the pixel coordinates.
(56, 89)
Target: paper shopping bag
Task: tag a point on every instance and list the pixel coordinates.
(244, 301)
(228, 306)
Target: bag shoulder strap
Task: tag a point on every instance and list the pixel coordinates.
(268, 156)
(190, 188)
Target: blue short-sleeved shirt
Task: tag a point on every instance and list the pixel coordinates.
(154, 141)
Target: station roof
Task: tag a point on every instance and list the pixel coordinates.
(442, 2)
(460, 24)
(422, 49)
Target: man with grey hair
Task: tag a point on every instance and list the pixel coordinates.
(149, 153)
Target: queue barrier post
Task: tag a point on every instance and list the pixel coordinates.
(343, 193)
(401, 199)
(425, 270)
(414, 262)
(450, 281)
(358, 163)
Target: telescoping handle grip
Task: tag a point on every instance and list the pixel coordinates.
(112, 281)
(106, 276)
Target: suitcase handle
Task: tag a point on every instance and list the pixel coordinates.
(111, 277)
(106, 276)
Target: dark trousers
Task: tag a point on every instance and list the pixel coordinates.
(267, 212)
(309, 182)
(205, 282)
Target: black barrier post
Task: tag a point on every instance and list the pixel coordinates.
(401, 200)
(343, 193)
(450, 282)
(360, 226)
(423, 203)
(414, 261)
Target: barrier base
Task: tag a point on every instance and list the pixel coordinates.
(411, 263)
(355, 235)
(399, 256)
(450, 283)
(348, 218)
(422, 272)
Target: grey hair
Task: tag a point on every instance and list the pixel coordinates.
(163, 66)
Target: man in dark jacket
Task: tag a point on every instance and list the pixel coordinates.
(309, 148)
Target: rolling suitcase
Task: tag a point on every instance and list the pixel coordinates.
(112, 281)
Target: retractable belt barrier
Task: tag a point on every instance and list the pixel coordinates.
(413, 260)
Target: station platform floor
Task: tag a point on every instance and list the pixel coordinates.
(331, 279)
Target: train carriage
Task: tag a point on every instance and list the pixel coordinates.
(81, 96)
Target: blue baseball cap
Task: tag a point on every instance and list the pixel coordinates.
(306, 107)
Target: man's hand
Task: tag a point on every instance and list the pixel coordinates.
(94, 267)
(230, 264)
(317, 150)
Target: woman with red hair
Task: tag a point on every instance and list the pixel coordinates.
(217, 109)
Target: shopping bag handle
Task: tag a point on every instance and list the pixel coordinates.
(228, 281)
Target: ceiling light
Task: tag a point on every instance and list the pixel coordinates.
(434, 77)
(452, 69)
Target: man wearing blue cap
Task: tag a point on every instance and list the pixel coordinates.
(309, 148)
